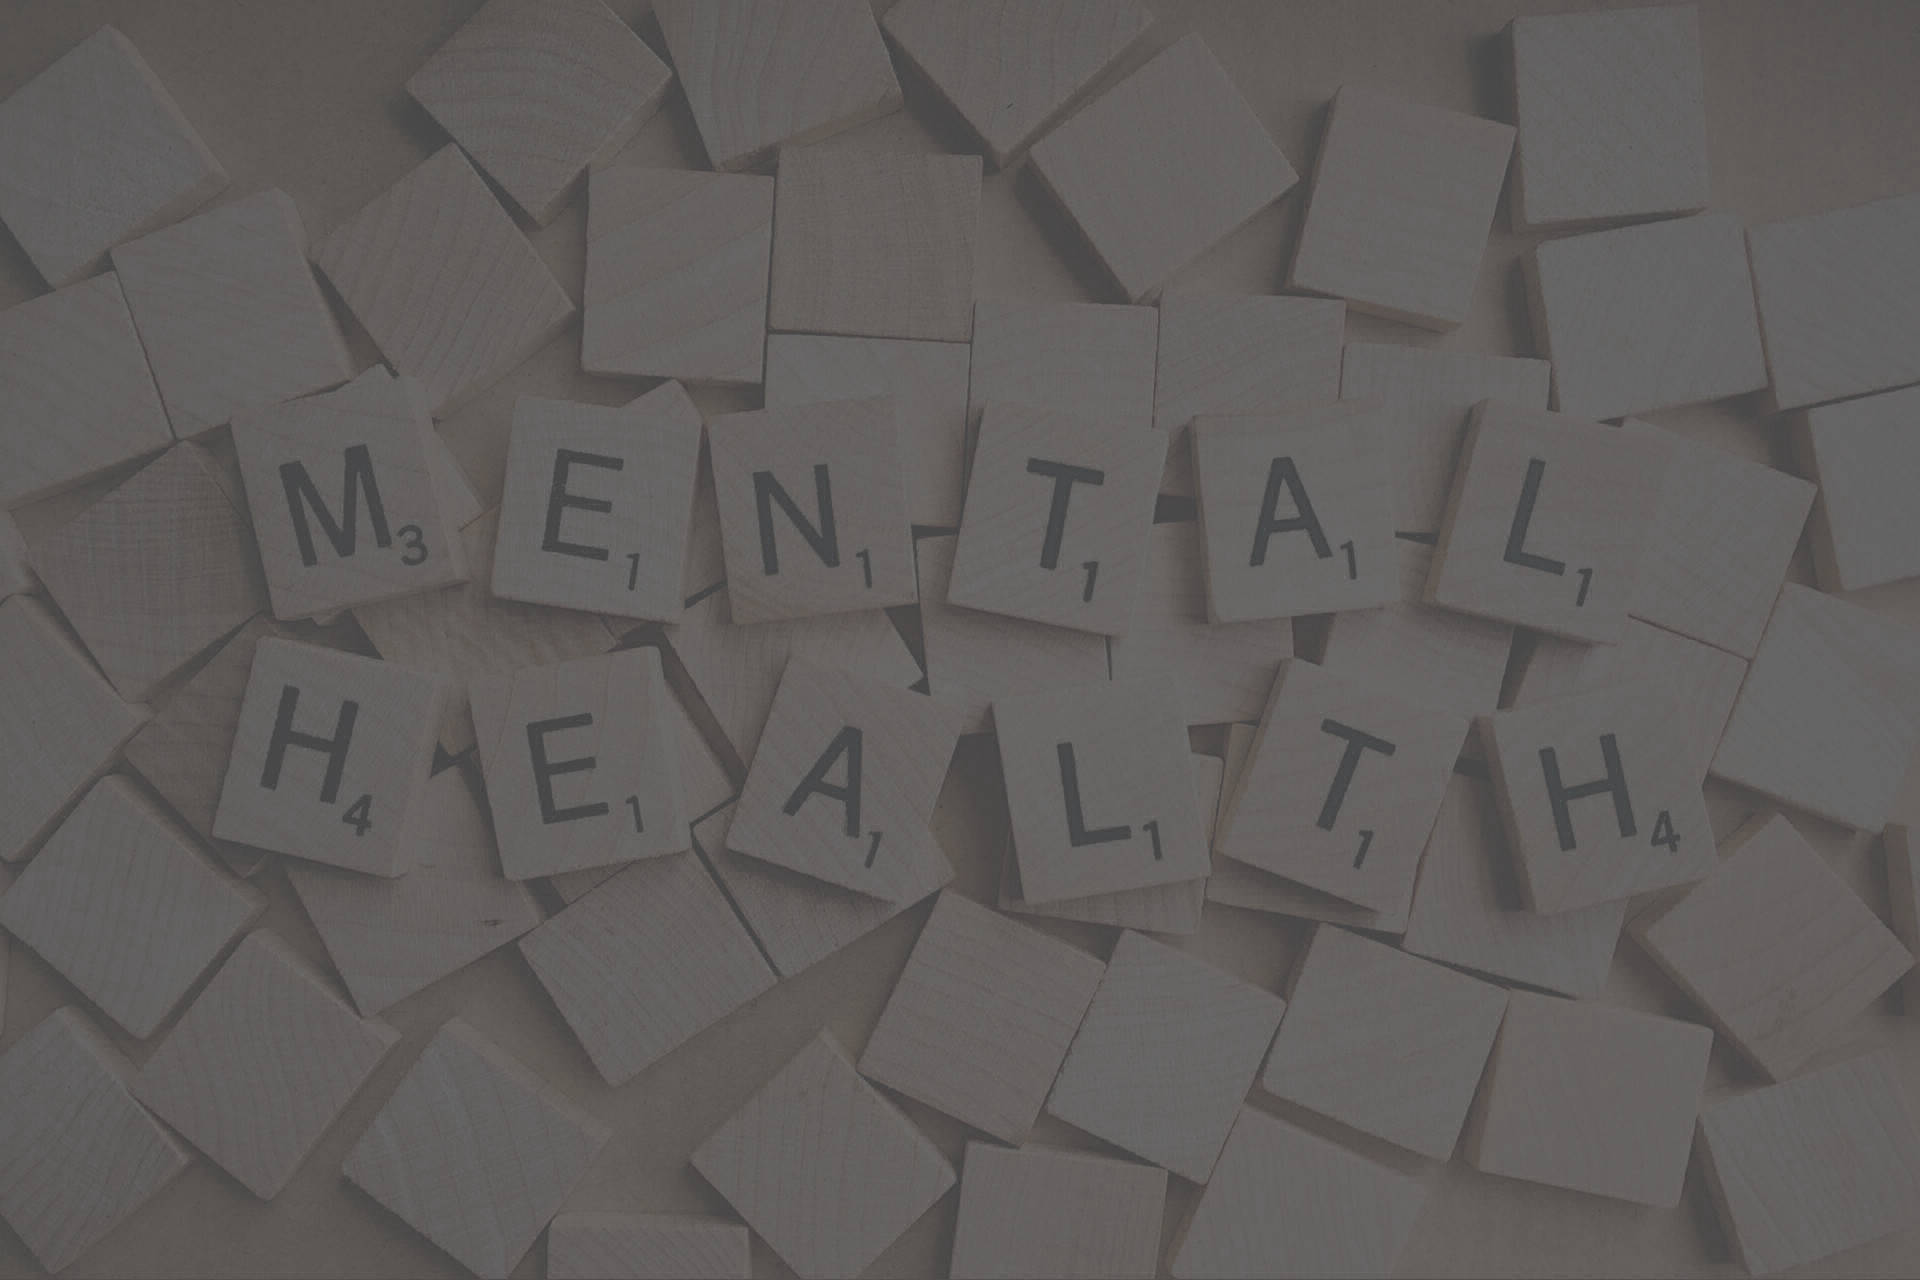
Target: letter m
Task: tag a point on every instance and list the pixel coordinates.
(343, 532)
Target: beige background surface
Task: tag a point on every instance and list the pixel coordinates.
(1810, 106)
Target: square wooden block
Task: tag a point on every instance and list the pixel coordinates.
(1108, 166)
(1534, 534)
(1089, 359)
(1041, 1212)
(1829, 717)
(874, 244)
(823, 1168)
(677, 267)
(813, 510)
(1296, 509)
(592, 1246)
(1903, 893)
(76, 396)
(536, 92)
(1612, 113)
(95, 151)
(1401, 207)
(1099, 791)
(1166, 1055)
(474, 1151)
(1865, 532)
(80, 1155)
(443, 281)
(330, 750)
(598, 504)
(981, 1018)
(1647, 317)
(758, 73)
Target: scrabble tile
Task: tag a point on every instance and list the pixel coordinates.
(581, 763)
(677, 273)
(375, 532)
(1612, 115)
(1285, 1203)
(792, 550)
(823, 1168)
(1011, 69)
(1057, 516)
(1099, 792)
(16, 573)
(1781, 1209)
(1903, 894)
(1041, 1212)
(1401, 207)
(1342, 786)
(1533, 534)
(537, 92)
(1836, 291)
(390, 938)
(78, 1156)
(328, 754)
(1591, 1098)
(592, 1246)
(1426, 396)
(263, 1062)
(1383, 1041)
(1108, 166)
(76, 397)
(874, 244)
(981, 1018)
(1646, 317)
(1775, 947)
(597, 504)
(95, 151)
(1089, 359)
(229, 312)
(1829, 717)
(758, 74)
(646, 962)
(844, 781)
(1864, 532)
(474, 1151)
(1165, 1056)
(442, 280)
(928, 383)
(60, 723)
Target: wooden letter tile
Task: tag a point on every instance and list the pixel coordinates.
(1040, 1212)
(1863, 454)
(594, 1246)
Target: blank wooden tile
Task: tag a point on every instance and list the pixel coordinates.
(597, 504)
(96, 151)
(537, 92)
(1612, 115)
(77, 397)
(441, 278)
(1401, 207)
(645, 962)
(1285, 1203)
(78, 1156)
(474, 1151)
(229, 312)
(823, 1168)
(1296, 510)
(844, 781)
(1108, 166)
(677, 267)
(309, 776)
(1533, 533)
(1647, 317)
(758, 73)
(635, 1246)
(1041, 1212)
(1903, 893)
(981, 1017)
(1864, 531)
(1383, 1041)
(1836, 291)
(1804, 1170)
(60, 723)
(874, 244)
(1426, 396)
(1829, 717)
(1089, 359)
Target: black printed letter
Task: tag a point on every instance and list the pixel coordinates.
(824, 540)
(1282, 474)
(1357, 743)
(558, 500)
(545, 770)
(1078, 834)
(342, 533)
(334, 748)
(1064, 478)
(1523, 517)
(846, 742)
(1558, 794)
